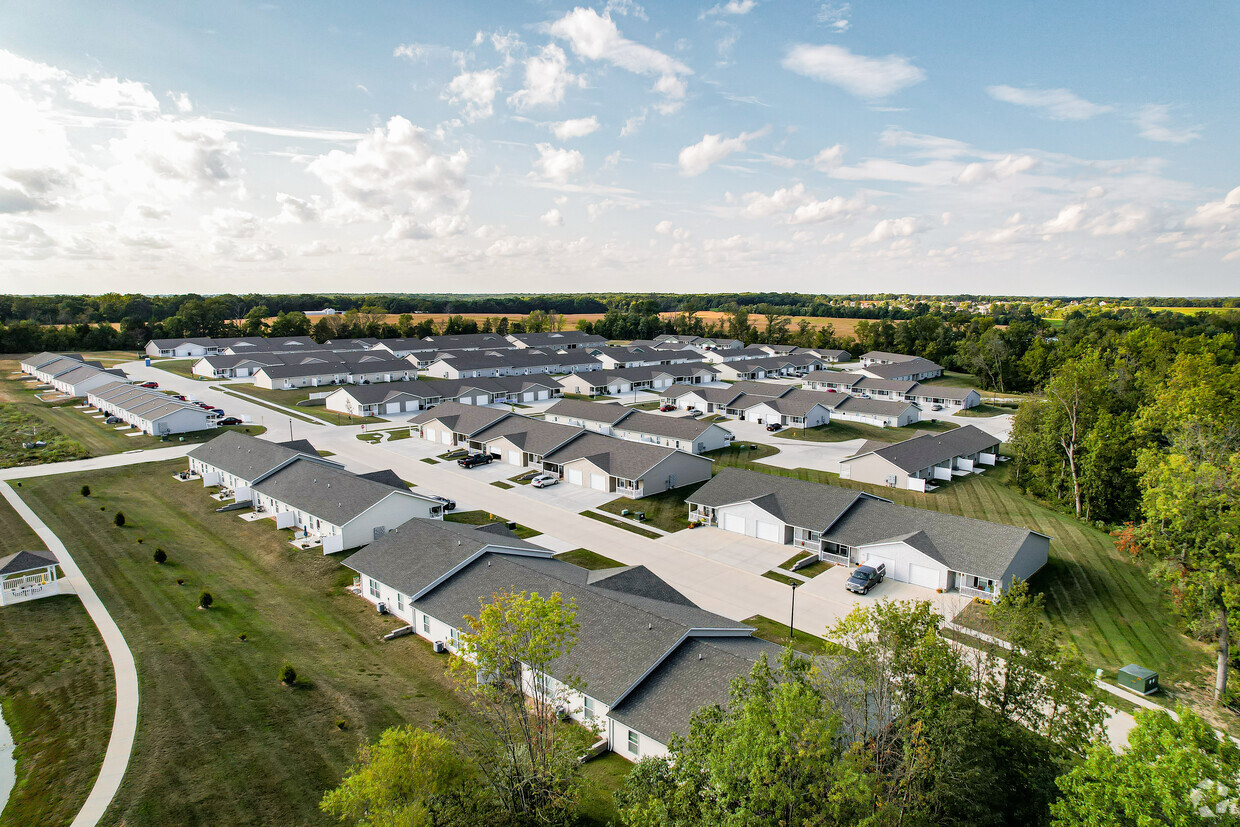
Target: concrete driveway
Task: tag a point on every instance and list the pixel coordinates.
(1000, 426)
(736, 550)
(829, 587)
(569, 497)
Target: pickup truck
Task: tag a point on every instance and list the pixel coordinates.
(474, 459)
(865, 577)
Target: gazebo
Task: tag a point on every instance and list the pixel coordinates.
(28, 575)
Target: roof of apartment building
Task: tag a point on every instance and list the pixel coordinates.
(796, 502)
(930, 449)
(618, 457)
(327, 492)
(533, 436)
(461, 418)
(248, 457)
(608, 412)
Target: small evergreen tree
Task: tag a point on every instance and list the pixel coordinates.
(119, 519)
(85, 490)
(160, 556)
(288, 675)
(205, 600)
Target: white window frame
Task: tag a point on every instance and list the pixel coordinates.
(635, 743)
(374, 587)
(426, 623)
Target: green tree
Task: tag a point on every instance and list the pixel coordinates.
(504, 667)
(1175, 773)
(410, 778)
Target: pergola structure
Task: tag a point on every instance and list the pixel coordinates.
(28, 575)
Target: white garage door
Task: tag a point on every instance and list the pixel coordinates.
(598, 482)
(768, 531)
(574, 476)
(891, 564)
(480, 400)
(544, 394)
(429, 433)
(734, 523)
(514, 457)
(923, 576)
(445, 437)
(393, 407)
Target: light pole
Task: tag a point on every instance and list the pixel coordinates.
(793, 614)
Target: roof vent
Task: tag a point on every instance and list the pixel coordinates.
(699, 655)
(649, 626)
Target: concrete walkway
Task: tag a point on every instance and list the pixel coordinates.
(125, 720)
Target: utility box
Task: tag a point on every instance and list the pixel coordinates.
(1139, 679)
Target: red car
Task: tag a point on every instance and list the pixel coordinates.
(666, 408)
(151, 385)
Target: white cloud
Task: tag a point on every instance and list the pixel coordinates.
(575, 128)
(696, 159)
(891, 228)
(925, 146)
(761, 205)
(146, 212)
(1068, 220)
(558, 165)
(595, 37)
(834, 15)
(828, 158)
(1154, 121)
(833, 208)
(732, 7)
(552, 218)
(294, 210)
(175, 158)
(17, 68)
(664, 227)
(626, 8)
(182, 102)
(228, 222)
(36, 162)
(474, 92)
(1124, 220)
(864, 77)
(546, 80)
(1005, 167)
(633, 124)
(1057, 104)
(394, 173)
(318, 248)
(1217, 214)
(113, 94)
(144, 238)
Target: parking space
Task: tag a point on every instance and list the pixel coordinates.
(569, 497)
(829, 588)
(745, 553)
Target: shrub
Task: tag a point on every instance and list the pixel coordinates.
(85, 490)
(205, 600)
(119, 519)
(141, 541)
(243, 637)
(288, 675)
(161, 556)
(180, 581)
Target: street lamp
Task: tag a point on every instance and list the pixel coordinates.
(792, 615)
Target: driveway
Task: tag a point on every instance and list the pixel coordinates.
(1000, 425)
(736, 550)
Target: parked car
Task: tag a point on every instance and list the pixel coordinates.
(180, 397)
(865, 577)
(448, 505)
(229, 420)
(151, 385)
(203, 405)
(774, 426)
(474, 459)
(666, 408)
(936, 407)
(113, 420)
(544, 480)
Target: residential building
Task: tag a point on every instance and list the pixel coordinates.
(875, 412)
(557, 340)
(631, 469)
(235, 461)
(681, 433)
(916, 464)
(150, 411)
(455, 423)
(81, 380)
(909, 370)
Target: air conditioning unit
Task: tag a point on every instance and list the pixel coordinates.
(440, 648)
(382, 607)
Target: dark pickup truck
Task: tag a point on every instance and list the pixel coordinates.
(866, 577)
(474, 459)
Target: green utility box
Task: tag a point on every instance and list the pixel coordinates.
(1139, 679)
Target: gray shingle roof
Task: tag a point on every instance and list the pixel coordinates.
(903, 368)
(534, 436)
(926, 391)
(609, 412)
(675, 427)
(248, 457)
(618, 457)
(461, 418)
(878, 407)
(887, 356)
(374, 393)
(796, 502)
(26, 561)
(329, 493)
(931, 449)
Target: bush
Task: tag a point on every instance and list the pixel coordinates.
(180, 581)
(288, 675)
(119, 519)
(161, 556)
(85, 490)
(205, 600)
(243, 637)
(141, 541)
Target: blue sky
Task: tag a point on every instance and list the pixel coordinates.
(1058, 148)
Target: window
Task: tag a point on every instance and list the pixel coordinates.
(635, 742)
(542, 683)
(454, 637)
(374, 587)
(426, 623)
(400, 602)
(587, 708)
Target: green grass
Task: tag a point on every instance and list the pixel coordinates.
(666, 510)
(739, 454)
(523, 478)
(430, 461)
(620, 523)
(327, 453)
(399, 433)
(277, 409)
(952, 379)
(781, 578)
(644, 406)
(587, 398)
(608, 772)
(290, 398)
(181, 367)
(794, 559)
(815, 569)
(220, 740)
(502, 485)
(17, 535)
(587, 559)
(371, 438)
(987, 410)
(455, 453)
(840, 431)
(485, 518)
(777, 632)
(59, 696)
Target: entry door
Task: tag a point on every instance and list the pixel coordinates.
(734, 523)
(923, 576)
(598, 482)
(574, 476)
(768, 531)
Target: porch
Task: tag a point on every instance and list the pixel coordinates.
(28, 575)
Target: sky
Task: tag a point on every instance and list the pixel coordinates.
(1056, 148)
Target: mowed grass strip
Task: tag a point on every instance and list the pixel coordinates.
(666, 510)
(59, 697)
(587, 559)
(220, 740)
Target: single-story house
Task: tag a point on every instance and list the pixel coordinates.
(345, 510)
(684, 433)
(647, 657)
(883, 357)
(948, 398)
(522, 441)
(400, 348)
(32, 363)
(613, 358)
(911, 370)
(916, 464)
(312, 375)
(469, 341)
(498, 390)
(670, 339)
(594, 416)
(222, 366)
(385, 399)
(48, 371)
(557, 340)
(455, 423)
(280, 344)
(80, 381)
(150, 411)
(796, 409)
(631, 469)
(719, 356)
(877, 412)
(181, 348)
(471, 364)
(847, 527)
(236, 461)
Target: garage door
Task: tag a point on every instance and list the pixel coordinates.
(923, 576)
(514, 457)
(393, 407)
(574, 476)
(481, 400)
(544, 394)
(429, 433)
(768, 531)
(734, 523)
(598, 482)
(445, 437)
(891, 564)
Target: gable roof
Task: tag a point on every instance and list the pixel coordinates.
(796, 502)
(461, 418)
(376, 392)
(249, 458)
(618, 457)
(887, 356)
(932, 448)
(859, 405)
(329, 493)
(609, 412)
(534, 436)
(24, 561)
(905, 368)
(674, 427)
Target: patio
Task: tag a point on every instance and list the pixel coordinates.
(28, 575)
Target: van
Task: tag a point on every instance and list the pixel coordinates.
(866, 576)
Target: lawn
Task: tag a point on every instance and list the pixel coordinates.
(952, 379)
(840, 431)
(485, 518)
(277, 409)
(987, 410)
(1096, 596)
(290, 398)
(17, 535)
(665, 510)
(59, 695)
(777, 632)
(644, 406)
(181, 367)
(502, 485)
(739, 454)
(587, 559)
(618, 522)
(220, 740)
(794, 559)
(781, 578)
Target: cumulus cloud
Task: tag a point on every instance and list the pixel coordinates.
(36, 162)
(1068, 220)
(1154, 121)
(836, 207)
(834, 15)
(575, 128)
(552, 218)
(394, 173)
(144, 238)
(761, 205)
(696, 159)
(175, 158)
(595, 37)
(664, 227)
(546, 79)
(732, 7)
(869, 78)
(892, 228)
(828, 158)
(294, 210)
(474, 92)
(1005, 167)
(113, 94)
(228, 222)
(1057, 104)
(558, 165)
(1217, 214)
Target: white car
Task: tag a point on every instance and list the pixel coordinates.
(544, 480)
